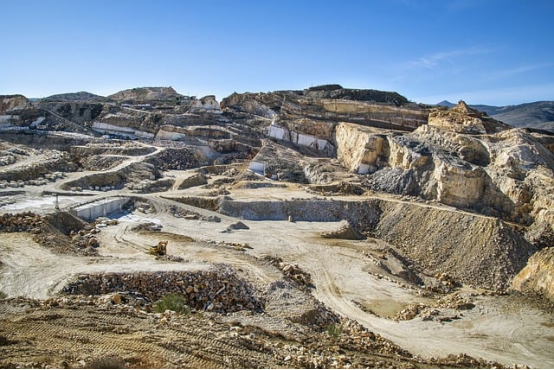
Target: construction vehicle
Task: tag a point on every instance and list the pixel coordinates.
(160, 249)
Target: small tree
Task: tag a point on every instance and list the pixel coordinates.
(334, 330)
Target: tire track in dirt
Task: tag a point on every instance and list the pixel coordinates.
(70, 332)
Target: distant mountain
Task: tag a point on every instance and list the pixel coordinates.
(538, 115)
(446, 103)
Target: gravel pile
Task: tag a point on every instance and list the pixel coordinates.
(218, 290)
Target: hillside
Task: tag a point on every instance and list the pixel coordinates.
(78, 96)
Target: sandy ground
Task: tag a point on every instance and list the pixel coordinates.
(496, 329)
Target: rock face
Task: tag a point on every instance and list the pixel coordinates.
(361, 149)
(538, 275)
(12, 102)
(465, 120)
(507, 174)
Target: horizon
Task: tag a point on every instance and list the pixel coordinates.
(493, 52)
(220, 99)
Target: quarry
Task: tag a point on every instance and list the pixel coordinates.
(318, 228)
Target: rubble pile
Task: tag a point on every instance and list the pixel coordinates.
(191, 215)
(292, 271)
(101, 162)
(218, 290)
(151, 186)
(284, 300)
(6, 158)
(333, 349)
(341, 188)
(445, 309)
(177, 159)
(21, 222)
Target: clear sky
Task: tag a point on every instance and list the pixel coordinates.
(495, 52)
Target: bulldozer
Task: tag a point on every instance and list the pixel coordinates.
(160, 249)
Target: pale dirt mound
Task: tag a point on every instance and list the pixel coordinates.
(473, 249)
(344, 231)
(192, 181)
(60, 232)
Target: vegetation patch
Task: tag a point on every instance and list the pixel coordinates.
(173, 302)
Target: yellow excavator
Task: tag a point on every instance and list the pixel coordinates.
(160, 249)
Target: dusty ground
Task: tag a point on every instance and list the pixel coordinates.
(348, 278)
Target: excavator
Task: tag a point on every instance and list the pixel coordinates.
(160, 249)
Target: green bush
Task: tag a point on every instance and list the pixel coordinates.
(174, 302)
(3, 295)
(334, 330)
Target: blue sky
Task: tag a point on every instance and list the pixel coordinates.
(496, 52)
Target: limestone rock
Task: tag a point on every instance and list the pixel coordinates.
(12, 102)
(459, 184)
(344, 231)
(538, 275)
(466, 120)
(239, 225)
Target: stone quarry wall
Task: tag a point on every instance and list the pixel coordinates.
(90, 212)
(129, 132)
(388, 112)
(360, 214)
(219, 289)
(168, 132)
(359, 148)
(283, 133)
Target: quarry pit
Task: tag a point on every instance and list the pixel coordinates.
(293, 263)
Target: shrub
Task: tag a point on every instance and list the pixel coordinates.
(3, 295)
(174, 302)
(334, 330)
